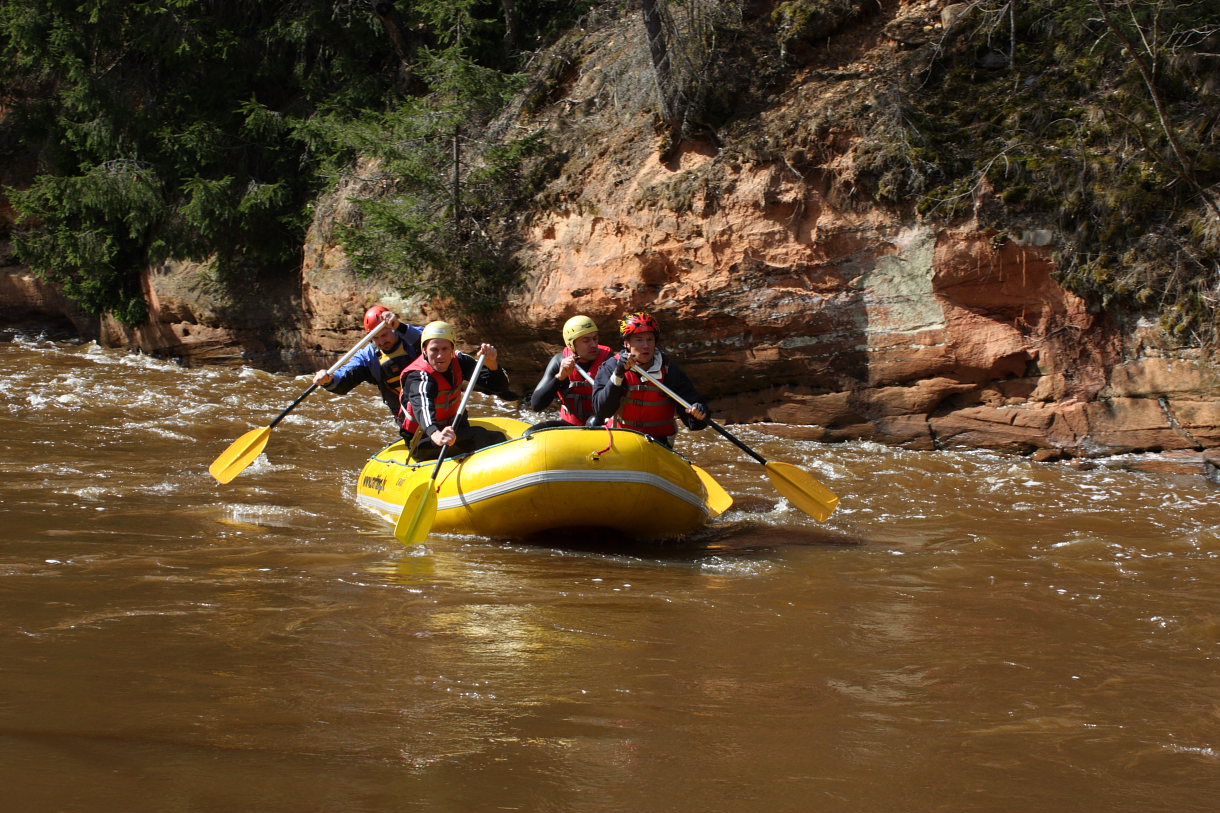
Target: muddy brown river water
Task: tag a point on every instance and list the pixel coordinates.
(969, 632)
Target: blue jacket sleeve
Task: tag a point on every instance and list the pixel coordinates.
(409, 336)
(357, 371)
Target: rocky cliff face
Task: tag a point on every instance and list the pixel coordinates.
(784, 305)
(845, 326)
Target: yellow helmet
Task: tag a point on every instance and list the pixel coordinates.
(437, 330)
(576, 327)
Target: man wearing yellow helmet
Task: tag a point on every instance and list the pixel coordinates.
(432, 392)
(568, 375)
(630, 401)
(380, 363)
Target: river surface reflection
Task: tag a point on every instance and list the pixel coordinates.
(969, 632)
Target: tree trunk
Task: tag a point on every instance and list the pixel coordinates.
(457, 184)
(662, 70)
(510, 27)
(404, 46)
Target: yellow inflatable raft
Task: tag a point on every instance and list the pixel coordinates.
(548, 480)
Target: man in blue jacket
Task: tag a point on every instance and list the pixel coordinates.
(381, 362)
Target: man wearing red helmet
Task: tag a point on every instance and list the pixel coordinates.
(381, 362)
(631, 401)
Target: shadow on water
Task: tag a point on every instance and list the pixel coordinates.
(744, 539)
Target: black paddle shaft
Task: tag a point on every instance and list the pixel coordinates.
(344, 359)
(292, 406)
(682, 402)
(737, 442)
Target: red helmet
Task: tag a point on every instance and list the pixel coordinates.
(639, 322)
(372, 317)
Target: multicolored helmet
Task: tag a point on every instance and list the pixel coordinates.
(638, 322)
(576, 327)
(438, 330)
(372, 317)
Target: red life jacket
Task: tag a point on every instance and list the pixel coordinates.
(645, 408)
(576, 404)
(448, 397)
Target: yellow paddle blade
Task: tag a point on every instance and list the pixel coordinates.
(418, 511)
(240, 454)
(803, 490)
(718, 500)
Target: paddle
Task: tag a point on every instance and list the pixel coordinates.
(243, 451)
(420, 505)
(800, 487)
(718, 500)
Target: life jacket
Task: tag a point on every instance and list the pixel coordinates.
(448, 396)
(645, 408)
(576, 404)
(392, 365)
